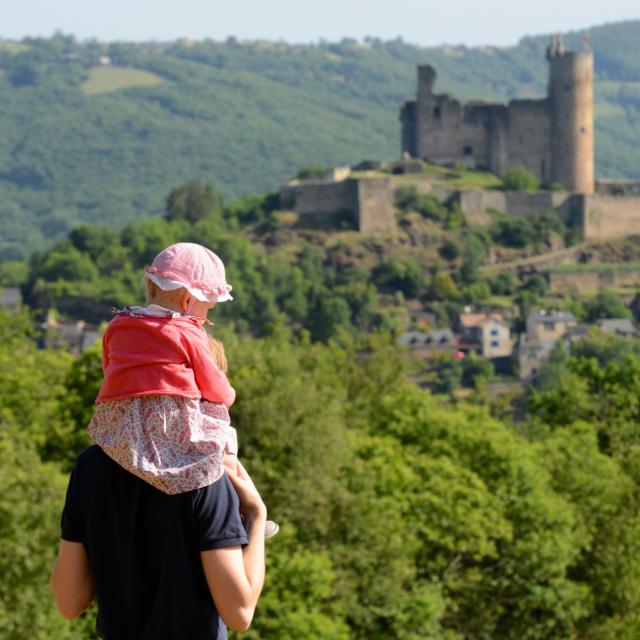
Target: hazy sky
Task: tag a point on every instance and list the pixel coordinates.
(425, 22)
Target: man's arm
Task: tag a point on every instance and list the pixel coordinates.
(71, 580)
(235, 575)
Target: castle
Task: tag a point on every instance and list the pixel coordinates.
(552, 137)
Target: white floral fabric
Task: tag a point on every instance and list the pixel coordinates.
(174, 443)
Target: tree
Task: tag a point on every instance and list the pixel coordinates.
(31, 495)
(536, 283)
(194, 201)
(606, 304)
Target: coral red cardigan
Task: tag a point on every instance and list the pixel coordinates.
(154, 355)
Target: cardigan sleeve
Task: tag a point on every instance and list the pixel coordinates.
(211, 381)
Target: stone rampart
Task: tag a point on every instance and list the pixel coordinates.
(475, 204)
(376, 206)
(570, 281)
(366, 202)
(605, 216)
(319, 198)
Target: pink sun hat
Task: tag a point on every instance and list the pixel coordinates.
(192, 266)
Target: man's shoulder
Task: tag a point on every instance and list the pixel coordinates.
(91, 456)
(93, 461)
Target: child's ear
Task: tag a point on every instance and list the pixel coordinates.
(185, 300)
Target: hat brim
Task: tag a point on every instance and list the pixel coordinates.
(198, 294)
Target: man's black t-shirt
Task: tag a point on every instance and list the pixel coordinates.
(144, 550)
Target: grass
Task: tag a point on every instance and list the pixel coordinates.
(506, 302)
(109, 79)
(599, 267)
(452, 178)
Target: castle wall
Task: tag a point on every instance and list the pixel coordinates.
(440, 130)
(529, 137)
(568, 282)
(618, 187)
(321, 200)
(408, 132)
(483, 136)
(605, 216)
(475, 204)
(366, 202)
(376, 211)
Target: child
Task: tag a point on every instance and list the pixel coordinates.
(162, 410)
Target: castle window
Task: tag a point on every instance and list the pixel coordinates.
(468, 150)
(436, 112)
(583, 130)
(566, 86)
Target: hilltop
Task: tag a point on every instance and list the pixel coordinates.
(96, 132)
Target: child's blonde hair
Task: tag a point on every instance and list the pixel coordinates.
(219, 356)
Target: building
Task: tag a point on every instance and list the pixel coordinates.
(10, 299)
(548, 326)
(544, 329)
(552, 137)
(424, 344)
(486, 333)
(72, 335)
(619, 326)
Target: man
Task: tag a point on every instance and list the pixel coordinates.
(162, 567)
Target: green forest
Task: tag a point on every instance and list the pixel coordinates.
(97, 133)
(406, 511)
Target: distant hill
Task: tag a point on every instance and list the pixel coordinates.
(100, 133)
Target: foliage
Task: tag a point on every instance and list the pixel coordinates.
(193, 201)
(411, 199)
(403, 515)
(31, 494)
(606, 304)
(315, 171)
(519, 179)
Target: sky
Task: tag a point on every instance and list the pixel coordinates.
(423, 22)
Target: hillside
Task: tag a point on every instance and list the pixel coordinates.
(100, 133)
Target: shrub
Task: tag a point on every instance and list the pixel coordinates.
(519, 179)
(513, 231)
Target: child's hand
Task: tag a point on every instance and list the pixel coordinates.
(219, 357)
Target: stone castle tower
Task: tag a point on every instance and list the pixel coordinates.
(552, 137)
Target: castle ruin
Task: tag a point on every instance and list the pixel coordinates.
(552, 137)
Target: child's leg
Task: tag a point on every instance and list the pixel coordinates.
(230, 462)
